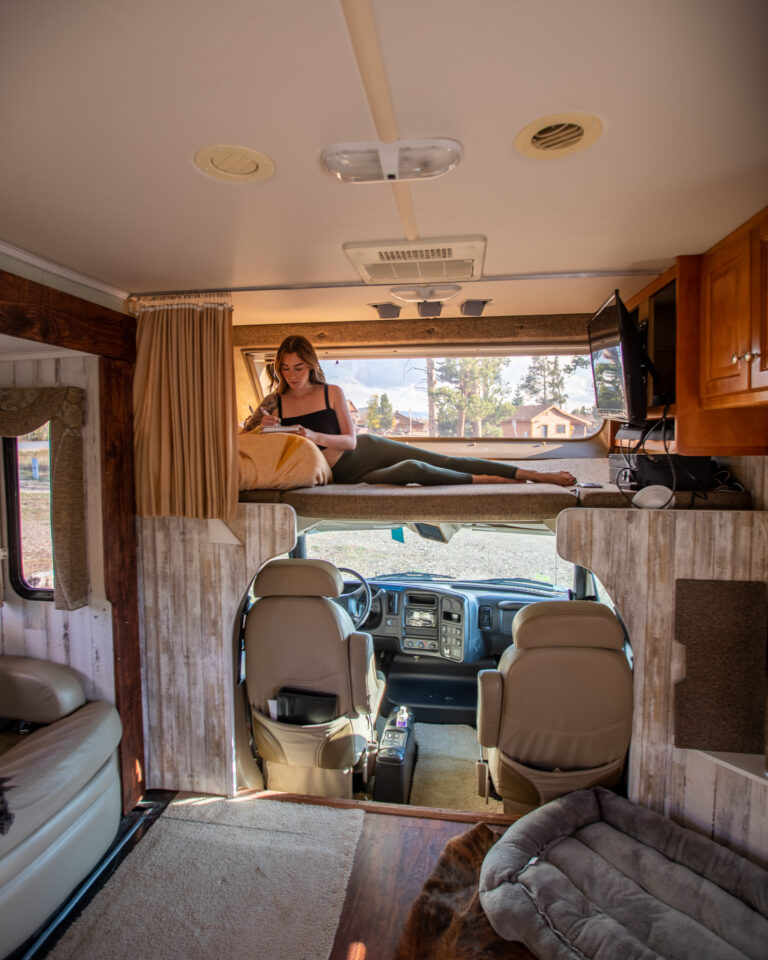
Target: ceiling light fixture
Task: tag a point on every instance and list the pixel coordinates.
(431, 294)
(375, 162)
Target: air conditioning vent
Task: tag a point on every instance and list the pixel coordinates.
(459, 258)
(558, 136)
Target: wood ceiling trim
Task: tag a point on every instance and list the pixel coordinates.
(32, 311)
(534, 333)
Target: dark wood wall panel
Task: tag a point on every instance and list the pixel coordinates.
(120, 567)
(34, 312)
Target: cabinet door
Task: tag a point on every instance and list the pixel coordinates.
(725, 317)
(760, 305)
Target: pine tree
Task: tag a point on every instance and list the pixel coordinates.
(387, 413)
(379, 414)
(373, 415)
(472, 396)
(544, 381)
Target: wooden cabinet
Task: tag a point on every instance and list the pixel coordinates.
(734, 340)
(760, 300)
(715, 306)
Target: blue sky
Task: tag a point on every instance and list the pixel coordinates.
(403, 380)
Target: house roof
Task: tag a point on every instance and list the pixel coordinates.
(528, 411)
(413, 420)
(531, 410)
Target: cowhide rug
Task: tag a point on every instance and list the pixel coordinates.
(446, 921)
(6, 817)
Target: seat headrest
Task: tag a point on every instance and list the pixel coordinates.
(298, 578)
(567, 623)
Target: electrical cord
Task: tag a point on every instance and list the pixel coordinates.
(670, 460)
(630, 453)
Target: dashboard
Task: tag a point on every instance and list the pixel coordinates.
(459, 622)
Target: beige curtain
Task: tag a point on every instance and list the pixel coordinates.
(185, 421)
(23, 410)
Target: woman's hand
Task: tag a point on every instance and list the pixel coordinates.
(309, 434)
(268, 419)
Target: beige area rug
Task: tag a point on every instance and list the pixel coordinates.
(445, 769)
(217, 878)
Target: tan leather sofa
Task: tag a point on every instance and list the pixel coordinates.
(556, 715)
(62, 787)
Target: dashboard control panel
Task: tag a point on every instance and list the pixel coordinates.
(433, 625)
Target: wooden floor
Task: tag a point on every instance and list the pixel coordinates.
(398, 849)
(395, 855)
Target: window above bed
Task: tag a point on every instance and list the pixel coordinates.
(416, 396)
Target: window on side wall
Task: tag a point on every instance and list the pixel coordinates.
(26, 464)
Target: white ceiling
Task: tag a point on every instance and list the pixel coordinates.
(102, 106)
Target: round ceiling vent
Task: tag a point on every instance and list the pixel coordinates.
(234, 164)
(558, 134)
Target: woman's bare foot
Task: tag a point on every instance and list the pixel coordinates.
(562, 477)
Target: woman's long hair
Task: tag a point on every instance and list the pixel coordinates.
(305, 352)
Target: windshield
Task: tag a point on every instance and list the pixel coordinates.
(471, 554)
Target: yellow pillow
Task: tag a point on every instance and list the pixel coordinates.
(280, 461)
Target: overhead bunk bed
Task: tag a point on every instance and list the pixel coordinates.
(491, 503)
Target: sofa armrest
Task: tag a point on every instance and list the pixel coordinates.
(490, 692)
(52, 765)
(37, 690)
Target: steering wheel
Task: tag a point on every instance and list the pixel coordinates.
(359, 614)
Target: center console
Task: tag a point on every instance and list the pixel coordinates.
(434, 624)
(397, 753)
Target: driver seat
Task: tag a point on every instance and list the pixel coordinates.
(297, 639)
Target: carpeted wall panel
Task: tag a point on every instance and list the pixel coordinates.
(721, 704)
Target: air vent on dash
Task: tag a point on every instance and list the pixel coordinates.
(454, 258)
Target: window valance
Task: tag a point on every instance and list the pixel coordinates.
(24, 409)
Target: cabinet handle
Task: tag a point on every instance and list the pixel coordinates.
(735, 358)
(747, 357)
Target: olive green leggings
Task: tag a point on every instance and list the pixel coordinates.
(379, 460)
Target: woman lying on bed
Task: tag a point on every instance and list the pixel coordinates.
(320, 411)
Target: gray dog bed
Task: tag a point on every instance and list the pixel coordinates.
(592, 875)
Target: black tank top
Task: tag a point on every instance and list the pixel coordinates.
(322, 421)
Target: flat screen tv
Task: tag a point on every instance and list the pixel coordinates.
(619, 363)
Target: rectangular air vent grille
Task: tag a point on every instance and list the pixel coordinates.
(428, 253)
(456, 259)
(419, 270)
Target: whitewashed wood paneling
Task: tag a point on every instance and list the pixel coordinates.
(638, 555)
(190, 589)
(81, 638)
(753, 473)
